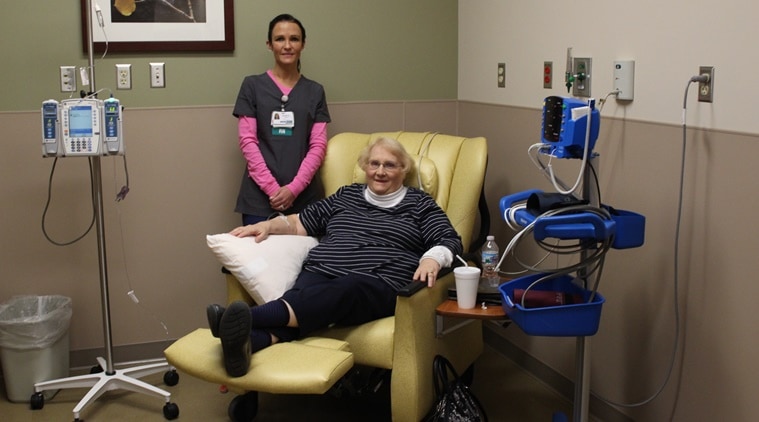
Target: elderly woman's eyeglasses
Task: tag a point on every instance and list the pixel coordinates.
(388, 165)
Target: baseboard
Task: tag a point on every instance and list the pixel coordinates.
(599, 410)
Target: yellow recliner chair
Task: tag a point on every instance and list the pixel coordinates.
(452, 170)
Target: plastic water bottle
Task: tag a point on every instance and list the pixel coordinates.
(489, 262)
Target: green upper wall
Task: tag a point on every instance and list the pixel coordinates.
(360, 50)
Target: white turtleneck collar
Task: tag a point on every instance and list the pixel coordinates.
(385, 201)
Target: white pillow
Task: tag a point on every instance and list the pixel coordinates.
(265, 269)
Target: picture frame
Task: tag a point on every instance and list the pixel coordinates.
(215, 33)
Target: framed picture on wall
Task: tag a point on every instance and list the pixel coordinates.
(159, 25)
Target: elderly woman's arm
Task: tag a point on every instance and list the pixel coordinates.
(283, 224)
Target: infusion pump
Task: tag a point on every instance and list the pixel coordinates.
(81, 127)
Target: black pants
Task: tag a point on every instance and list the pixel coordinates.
(319, 301)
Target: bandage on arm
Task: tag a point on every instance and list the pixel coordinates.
(317, 149)
(441, 254)
(257, 168)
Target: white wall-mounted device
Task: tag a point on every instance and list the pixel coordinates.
(624, 79)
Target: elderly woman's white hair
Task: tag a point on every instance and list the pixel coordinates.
(405, 161)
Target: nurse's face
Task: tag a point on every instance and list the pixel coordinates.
(286, 43)
(383, 171)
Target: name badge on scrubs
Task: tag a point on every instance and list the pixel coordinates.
(282, 123)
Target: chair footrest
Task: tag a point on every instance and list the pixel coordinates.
(309, 366)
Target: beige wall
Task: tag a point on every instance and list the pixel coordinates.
(714, 376)
(640, 171)
(184, 168)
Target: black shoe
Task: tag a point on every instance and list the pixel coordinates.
(214, 313)
(234, 332)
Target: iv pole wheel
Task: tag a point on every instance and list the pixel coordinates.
(170, 411)
(37, 401)
(171, 378)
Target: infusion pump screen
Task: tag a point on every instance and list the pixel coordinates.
(80, 121)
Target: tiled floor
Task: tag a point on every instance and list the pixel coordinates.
(507, 392)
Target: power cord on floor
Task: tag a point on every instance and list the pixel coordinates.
(675, 288)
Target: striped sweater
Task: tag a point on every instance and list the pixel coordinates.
(361, 238)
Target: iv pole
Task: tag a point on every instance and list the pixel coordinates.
(582, 346)
(110, 378)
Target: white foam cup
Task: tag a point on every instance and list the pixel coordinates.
(467, 282)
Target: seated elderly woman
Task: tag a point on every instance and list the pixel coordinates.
(375, 238)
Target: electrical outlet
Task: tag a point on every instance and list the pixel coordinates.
(501, 75)
(123, 76)
(547, 75)
(706, 89)
(157, 76)
(68, 78)
(581, 69)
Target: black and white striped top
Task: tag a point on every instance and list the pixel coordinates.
(358, 237)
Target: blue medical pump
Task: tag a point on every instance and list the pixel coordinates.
(564, 126)
(564, 223)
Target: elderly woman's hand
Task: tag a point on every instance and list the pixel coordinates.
(427, 270)
(259, 230)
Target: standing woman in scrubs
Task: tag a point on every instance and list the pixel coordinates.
(282, 128)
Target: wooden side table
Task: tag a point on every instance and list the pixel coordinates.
(450, 308)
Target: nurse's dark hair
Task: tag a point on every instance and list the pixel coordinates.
(285, 17)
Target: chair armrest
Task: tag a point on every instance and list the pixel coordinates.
(411, 288)
(415, 346)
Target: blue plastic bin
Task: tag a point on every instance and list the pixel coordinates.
(631, 229)
(575, 320)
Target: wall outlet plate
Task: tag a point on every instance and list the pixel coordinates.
(123, 76)
(706, 90)
(547, 75)
(67, 78)
(501, 75)
(581, 69)
(157, 75)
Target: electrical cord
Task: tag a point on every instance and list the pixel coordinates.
(602, 101)
(676, 281)
(47, 207)
(509, 217)
(588, 264)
